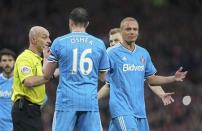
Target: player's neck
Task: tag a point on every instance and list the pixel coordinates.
(78, 29)
(129, 46)
(8, 75)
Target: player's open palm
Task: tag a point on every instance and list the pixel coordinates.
(167, 98)
(180, 75)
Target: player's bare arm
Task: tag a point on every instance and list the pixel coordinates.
(102, 75)
(49, 69)
(103, 92)
(159, 80)
(165, 97)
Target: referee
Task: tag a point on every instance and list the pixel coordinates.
(28, 87)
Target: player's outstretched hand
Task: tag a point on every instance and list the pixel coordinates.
(180, 75)
(167, 98)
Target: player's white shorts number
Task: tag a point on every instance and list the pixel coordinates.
(83, 60)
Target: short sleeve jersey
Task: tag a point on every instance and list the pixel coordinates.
(28, 64)
(128, 70)
(5, 103)
(80, 57)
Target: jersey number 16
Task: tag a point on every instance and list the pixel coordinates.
(83, 59)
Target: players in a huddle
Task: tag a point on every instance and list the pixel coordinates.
(82, 60)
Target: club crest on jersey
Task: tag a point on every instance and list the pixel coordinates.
(25, 70)
(142, 60)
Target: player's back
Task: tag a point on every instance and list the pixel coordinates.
(80, 57)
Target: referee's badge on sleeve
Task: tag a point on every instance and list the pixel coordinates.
(25, 69)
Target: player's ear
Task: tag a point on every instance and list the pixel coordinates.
(86, 25)
(71, 23)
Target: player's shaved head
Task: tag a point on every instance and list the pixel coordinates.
(129, 31)
(36, 31)
(126, 20)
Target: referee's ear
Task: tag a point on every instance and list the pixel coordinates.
(32, 40)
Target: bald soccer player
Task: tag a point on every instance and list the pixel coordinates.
(132, 64)
(114, 39)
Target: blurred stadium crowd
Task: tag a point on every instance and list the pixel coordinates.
(169, 29)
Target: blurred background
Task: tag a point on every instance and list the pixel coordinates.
(170, 30)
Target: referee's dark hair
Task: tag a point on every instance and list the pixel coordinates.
(79, 16)
(7, 52)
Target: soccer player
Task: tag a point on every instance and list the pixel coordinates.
(130, 65)
(116, 38)
(7, 60)
(28, 87)
(82, 59)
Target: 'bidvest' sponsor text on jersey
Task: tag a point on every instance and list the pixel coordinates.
(132, 67)
(5, 93)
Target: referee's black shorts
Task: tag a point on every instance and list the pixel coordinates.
(26, 116)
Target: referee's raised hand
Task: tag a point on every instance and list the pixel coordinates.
(46, 51)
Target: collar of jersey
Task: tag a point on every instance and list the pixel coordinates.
(1, 75)
(127, 50)
(79, 32)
